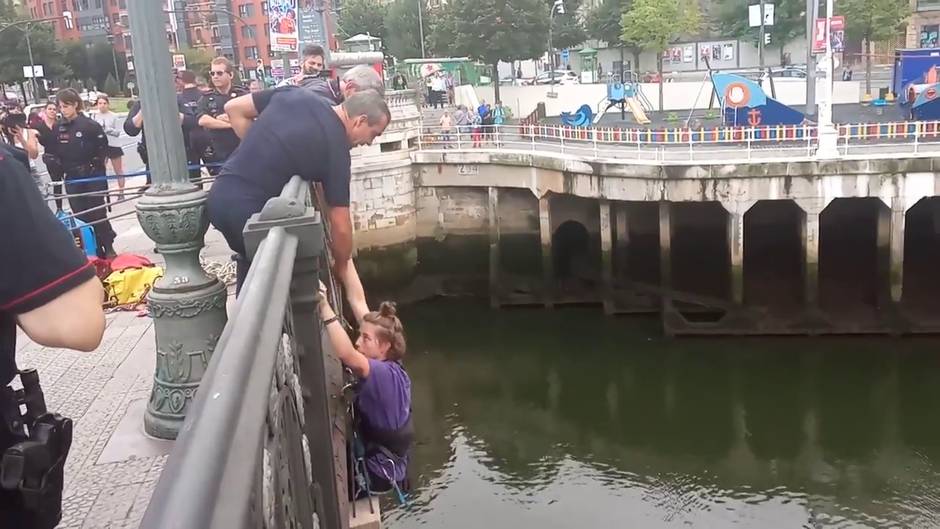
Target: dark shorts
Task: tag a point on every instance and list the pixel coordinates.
(115, 152)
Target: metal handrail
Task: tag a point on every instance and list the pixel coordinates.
(211, 475)
(258, 448)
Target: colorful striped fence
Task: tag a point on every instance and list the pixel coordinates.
(669, 136)
(682, 135)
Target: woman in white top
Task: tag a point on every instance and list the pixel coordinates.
(112, 125)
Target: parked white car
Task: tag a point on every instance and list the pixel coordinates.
(561, 77)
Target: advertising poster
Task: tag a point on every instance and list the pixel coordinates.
(277, 68)
(677, 54)
(310, 29)
(688, 53)
(716, 52)
(282, 16)
(704, 51)
(727, 52)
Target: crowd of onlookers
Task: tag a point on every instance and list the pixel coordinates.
(473, 125)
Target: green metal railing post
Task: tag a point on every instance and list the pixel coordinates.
(188, 306)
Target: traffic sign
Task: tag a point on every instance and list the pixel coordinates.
(753, 15)
(35, 72)
(565, 54)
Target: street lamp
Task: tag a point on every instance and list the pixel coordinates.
(557, 7)
(26, 26)
(421, 30)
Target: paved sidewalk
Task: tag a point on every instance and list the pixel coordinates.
(113, 466)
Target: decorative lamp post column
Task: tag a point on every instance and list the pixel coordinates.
(188, 306)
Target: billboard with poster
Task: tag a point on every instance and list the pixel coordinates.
(282, 17)
(310, 27)
(836, 38)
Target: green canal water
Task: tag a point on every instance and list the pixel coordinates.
(567, 419)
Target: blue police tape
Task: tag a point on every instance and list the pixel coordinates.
(130, 175)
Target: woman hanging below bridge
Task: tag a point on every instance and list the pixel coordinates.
(382, 406)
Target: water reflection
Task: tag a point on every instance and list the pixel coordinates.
(567, 419)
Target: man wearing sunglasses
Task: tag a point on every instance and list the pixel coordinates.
(211, 113)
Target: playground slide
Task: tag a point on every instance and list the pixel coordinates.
(637, 109)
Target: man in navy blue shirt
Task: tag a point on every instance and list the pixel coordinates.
(288, 131)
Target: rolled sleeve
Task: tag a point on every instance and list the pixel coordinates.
(41, 260)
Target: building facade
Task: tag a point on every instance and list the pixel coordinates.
(237, 29)
(923, 29)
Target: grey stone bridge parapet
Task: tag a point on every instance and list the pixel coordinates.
(811, 184)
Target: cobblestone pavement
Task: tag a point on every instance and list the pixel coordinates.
(113, 466)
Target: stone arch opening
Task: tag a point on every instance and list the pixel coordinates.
(849, 263)
(773, 255)
(921, 291)
(571, 252)
(700, 257)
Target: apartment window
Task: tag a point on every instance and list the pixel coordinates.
(128, 43)
(929, 36)
(122, 4)
(98, 4)
(928, 5)
(198, 36)
(264, 8)
(246, 10)
(216, 36)
(251, 52)
(248, 32)
(113, 3)
(115, 19)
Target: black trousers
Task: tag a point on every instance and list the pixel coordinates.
(87, 209)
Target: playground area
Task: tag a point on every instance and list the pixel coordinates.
(732, 100)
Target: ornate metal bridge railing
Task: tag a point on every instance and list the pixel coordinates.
(264, 443)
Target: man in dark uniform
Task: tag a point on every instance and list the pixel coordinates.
(211, 113)
(296, 133)
(81, 148)
(188, 101)
(134, 126)
(50, 291)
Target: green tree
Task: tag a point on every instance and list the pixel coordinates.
(75, 55)
(789, 22)
(495, 30)
(402, 34)
(873, 20)
(567, 29)
(111, 86)
(197, 61)
(15, 56)
(655, 24)
(362, 16)
(603, 23)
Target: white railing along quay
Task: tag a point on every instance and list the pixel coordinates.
(718, 144)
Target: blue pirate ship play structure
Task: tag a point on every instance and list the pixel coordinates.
(745, 104)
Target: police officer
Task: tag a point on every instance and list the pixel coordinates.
(212, 114)
(81, 148)
(134, 126)
(188, 101)
(49, 290)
